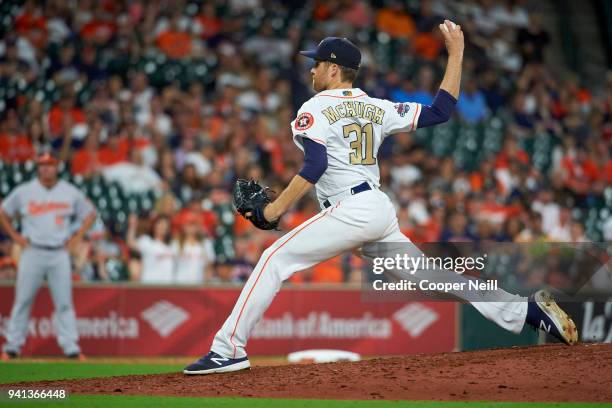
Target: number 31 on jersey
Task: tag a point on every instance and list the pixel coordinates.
(363, 148)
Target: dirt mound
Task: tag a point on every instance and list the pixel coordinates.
(541, 373)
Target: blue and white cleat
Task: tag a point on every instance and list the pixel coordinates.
(214, 363)
(545, 314)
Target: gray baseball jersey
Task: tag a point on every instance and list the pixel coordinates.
(46, 214)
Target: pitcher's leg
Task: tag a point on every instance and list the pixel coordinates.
(60, 286)
(505, 309)
(29, 278)
(316, 240)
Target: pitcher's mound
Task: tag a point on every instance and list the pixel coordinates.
(541, 373)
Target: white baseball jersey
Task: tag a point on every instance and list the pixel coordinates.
(352, 126)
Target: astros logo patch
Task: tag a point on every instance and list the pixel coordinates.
(402, 108)
(304, 121)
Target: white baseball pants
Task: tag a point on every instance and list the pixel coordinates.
(352, 222)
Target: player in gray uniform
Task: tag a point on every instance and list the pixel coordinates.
(46, 206)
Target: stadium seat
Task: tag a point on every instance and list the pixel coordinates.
(443, 139)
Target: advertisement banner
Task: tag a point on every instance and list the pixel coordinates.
(153, 321)
(478, 333)
(593, 320)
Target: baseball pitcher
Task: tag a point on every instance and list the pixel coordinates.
(46, 206)
(340, 130)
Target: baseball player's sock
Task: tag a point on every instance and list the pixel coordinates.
(214, 363)
(545, 314)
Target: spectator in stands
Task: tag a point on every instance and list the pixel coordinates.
(63, 118)
(100, 26)
(156, 121)
(561, 232)
(483, 14)
(472, 104)
(89, 65)
(532, 231)
(188, 154)
(110, 259)
(510, 230)
(208, 24)
(133, 176)
(532, 40)
(174, 41)
(114, 151)
(511, 14)
(607, 229)
(32, 24)
(166, 168)
(580, 172)
(424, 88)
(64, 69)
(490, 87)
(457, 230)
(195, 253)
(15, 145)
(329, 271)
(141, 96)
(548, 209)
(257, 47)
(394, 21)
(427, 19)
(502, 51)
(187, 186)
(429, 45)
(156, 250)
(85, 161)
(225, 272)
(167, 205)
(492, 210)
(13, 64)
(357, 13)
(577, 232)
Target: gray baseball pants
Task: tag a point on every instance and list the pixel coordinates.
(36, 265)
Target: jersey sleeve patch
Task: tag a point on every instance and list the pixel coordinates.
(304, 121)
(402, 108)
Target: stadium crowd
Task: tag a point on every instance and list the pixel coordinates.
(174, 100)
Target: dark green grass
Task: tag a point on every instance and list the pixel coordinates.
(104, 401)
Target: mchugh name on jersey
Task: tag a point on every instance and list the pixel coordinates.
(354, 109)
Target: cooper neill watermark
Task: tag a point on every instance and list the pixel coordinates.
(485, 271)
(411, 264)
(425, 285)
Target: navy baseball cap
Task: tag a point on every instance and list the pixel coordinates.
(337, 50)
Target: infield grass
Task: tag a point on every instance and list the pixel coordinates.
(104, 401)
(16, 372)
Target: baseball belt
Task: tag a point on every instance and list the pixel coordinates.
(48, 247)
(360, 188)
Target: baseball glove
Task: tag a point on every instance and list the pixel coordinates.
(250, 199)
